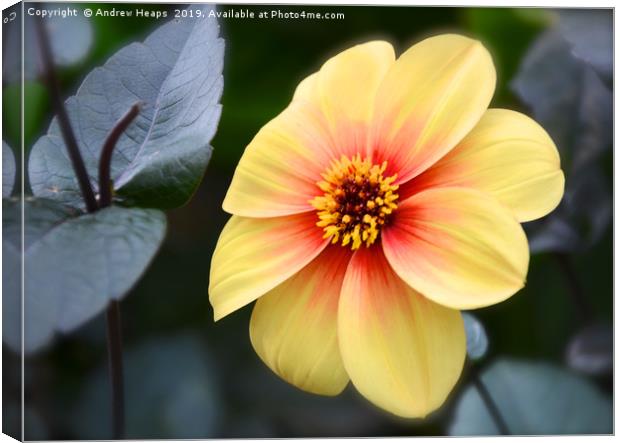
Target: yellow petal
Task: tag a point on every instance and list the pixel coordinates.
(252, 256)
(508, 155)
(457, 246)
(327, 118)
(306, 90)
(293, 327)
(403, 352)
(279, 169)
(429, 100)
(346, 88)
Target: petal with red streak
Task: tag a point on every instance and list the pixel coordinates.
(402, 351)
(293, 326)
(428, 101)
(254, 255)
(457, 246)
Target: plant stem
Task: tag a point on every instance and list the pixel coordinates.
(105, 160)
(488, 401)
(63, 119)
(115, 352)
(113, 315)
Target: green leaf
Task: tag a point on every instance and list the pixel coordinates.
(574, 105)
(8, 170)
(171, 392)
(534, 398)
(159, 161)
(41, 216)
(477, 341)
(73, 265)
(591, 350)
(567, 98)
(70, 38)
(591, 33)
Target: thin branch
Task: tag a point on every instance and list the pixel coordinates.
(115, 351)
(113, 313)
(63, 119)
(105, 160)
(488, 401)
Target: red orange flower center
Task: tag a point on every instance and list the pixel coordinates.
(357, 201)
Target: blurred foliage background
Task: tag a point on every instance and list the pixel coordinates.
(187, 376)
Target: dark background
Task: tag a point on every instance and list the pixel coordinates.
(187, 376)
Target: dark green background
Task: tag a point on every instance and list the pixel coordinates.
(265, 59)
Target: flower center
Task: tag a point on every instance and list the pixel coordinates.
(357, 201)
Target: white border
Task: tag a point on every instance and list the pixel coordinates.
(475, 3)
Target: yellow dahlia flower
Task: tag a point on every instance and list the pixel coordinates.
(385, 198)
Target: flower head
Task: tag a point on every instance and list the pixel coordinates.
(358, 201)
(385, 198)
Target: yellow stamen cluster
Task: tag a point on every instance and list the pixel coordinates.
(357, 201)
